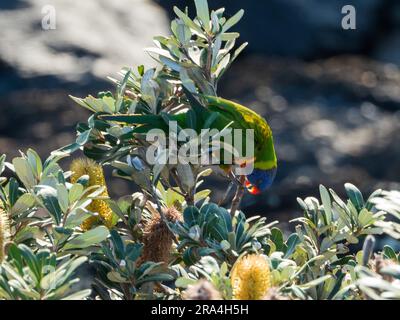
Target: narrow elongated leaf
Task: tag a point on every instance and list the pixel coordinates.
(203, 13)
(233, 20)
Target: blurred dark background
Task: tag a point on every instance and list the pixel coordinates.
(332, 96)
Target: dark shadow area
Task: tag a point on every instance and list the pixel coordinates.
(13, 4)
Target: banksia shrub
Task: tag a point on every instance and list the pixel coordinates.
(250, 278)
(202, 290)
(157, 238)
(4, 232)
(194, 248)
(83, 166)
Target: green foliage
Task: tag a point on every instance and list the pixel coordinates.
(211, 230)
(46, 246)
(39, 276)
(120, 275)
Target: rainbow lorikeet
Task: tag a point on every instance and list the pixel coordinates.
(226, 113)
(265, 161)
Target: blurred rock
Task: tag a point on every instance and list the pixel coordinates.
(389, 50)
(92, 37)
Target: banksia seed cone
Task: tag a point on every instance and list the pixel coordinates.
(202, 290)
(4, 232)
(84, 166)
(157, 238)
(250, 278)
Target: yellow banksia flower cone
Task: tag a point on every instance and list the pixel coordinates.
(84, 166)
(250, 278)
(4, 232)
(157, 238)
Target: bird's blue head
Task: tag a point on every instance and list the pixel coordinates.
(260, 180)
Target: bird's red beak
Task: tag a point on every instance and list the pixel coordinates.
(252, 189)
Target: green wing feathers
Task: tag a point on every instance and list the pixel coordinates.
(243, 117)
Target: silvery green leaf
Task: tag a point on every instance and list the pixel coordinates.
(121, 91)
(195, 54)
(109, 105)
(48, 196)
(24, 172)
(89, 238)
(219, 12)
(222, 66)
(183, 33)
(195, 233)
(23, 203)
(233, 20)
(83, 137)
(351, 239)
(105, 104)
(365, 217)
(27, 233)
(210, 265)
(197, 76)
(215, 22)
(76, 217)
(355, 196)
(291, 244)
(225, 245)
(215, 50)
(35, 162)
(186, 81)
(83, 103)
(171, 64)
(302, 204)
(62, 196)
(203, 13)
(374, 230)
(148, 75)
(343, 216)
(189, 22)
(326, 202)
(316, 282)
(75, 192)
(229, 36)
